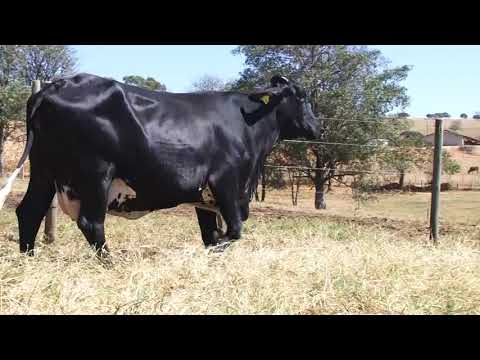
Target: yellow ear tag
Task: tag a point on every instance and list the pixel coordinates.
(265, 99)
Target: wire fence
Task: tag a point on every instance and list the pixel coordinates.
(326, 143)
(338, 171)
(410, 178)
(374, 143)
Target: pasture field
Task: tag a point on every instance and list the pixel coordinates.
(291, 260)
(469, 127)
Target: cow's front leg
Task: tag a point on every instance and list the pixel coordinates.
(227, 199)
(208, 227)
(94, 231)
(244, 208)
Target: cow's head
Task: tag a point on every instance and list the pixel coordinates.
(293, 111)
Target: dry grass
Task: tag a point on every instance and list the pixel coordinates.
(283, 265)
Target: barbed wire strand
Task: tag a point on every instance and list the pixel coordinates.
(326, 143)
(364, 120)
(379, 120)
(337, 171)
(340, 143)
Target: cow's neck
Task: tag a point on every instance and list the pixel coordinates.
(268, 133)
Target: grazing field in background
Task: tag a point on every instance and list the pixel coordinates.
(291, 260)
(469, 127)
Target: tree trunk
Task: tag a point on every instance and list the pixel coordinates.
(292, 189)
(321, 178)
(263, 184)
(297, 190)
(401, 181)
(320, 203)
(2, 142)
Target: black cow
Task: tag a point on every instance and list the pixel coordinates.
(108, 147)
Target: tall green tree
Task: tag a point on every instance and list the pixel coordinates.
(147, 83)
(19, 66)
(346, 83)
(46, 62)
(407, 154)
(13, 98)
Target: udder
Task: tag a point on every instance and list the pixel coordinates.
(120, 196)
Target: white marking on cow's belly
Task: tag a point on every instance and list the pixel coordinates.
(208, 201)
(205, 207)
(119, 193)
(207, 196)
(70, 207)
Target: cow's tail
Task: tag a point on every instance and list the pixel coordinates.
(32, 105)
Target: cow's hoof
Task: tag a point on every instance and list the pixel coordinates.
(222, 244)
(29, 253)
(105, 258)
(219, 248)
(106, 261)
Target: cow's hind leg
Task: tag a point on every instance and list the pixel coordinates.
(93, 193)
(33, 209)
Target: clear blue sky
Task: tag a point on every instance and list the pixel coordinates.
(176, 66)
(443, 78)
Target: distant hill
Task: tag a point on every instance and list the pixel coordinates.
(469, 127)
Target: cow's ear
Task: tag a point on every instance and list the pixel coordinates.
(278, 80)
(270, 97)
(264, 97)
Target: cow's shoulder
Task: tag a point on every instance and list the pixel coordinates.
(81, 80)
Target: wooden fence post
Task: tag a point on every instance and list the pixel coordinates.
(436, 180)
(51, 217)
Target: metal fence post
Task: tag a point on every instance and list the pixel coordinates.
(436, 180)
(51, 216)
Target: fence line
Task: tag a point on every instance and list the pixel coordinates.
(346, 144)
(428, 121)
(287, 167)
(365, 120)
(327, 143)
